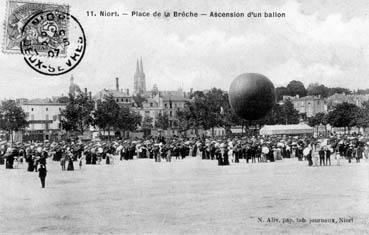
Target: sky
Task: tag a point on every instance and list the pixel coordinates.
(318, 41)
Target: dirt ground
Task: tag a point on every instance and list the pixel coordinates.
(187, 196)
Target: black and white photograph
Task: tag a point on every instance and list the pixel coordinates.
(184, 117)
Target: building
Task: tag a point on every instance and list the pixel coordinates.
(44, 120)
(139, 82)
(151, 107)
(308, 105)
(336, 99)
(173, 102)
(168, 102)
(122, 97)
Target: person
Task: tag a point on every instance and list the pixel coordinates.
(222, 155)
(80, 159)
(63, 162)
(366, 151)
(42, 172)
(359, 153)
(321, 156)
(70, 164)
(327, 156)
(169, 154)
(309, 156)
(349, 153)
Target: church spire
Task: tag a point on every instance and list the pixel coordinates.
(137, 68)
(141, 66)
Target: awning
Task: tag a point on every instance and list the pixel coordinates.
(297, 129)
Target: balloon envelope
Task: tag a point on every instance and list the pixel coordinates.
(251, 96)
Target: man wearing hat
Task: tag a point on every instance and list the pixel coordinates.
(321, 156)
(42, 172)
(222, 155)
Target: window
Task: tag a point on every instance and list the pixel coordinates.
(166, 105)
(151, 104)
(170, 114)
(127, 100)
(47, 109)
(47, 117)
(59, 109)
(31, 109)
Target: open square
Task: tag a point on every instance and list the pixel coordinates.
(187, 196)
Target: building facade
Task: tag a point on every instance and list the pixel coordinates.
(44, 120)
(308, 105)
(336, 99)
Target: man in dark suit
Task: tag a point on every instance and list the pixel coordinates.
(327, 156)
(321, 156)
(42, 172)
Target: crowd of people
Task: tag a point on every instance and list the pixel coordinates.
(224, 150)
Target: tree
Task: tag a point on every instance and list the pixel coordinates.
(127, 119)
(291, 115)
(280, 92)
(147, 125)
(338, 90)
(362, 91)
(162, 121)
(217, 105)
(206, 111)
(316, 89)
(296, 88)
(12, 117)
(280, 114)
(344, 115)
(194, 113)
(106, 114)
(63, 99)
(319, 118)
(363, 116)
(77, 114)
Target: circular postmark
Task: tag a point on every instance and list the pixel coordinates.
(54, 42)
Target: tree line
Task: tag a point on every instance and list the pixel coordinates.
(344, 115)
(207, 110)
(204, 110)
(295, 87)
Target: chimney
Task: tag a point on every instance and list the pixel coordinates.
(117, 83)
(127, 91)
(86, 91)
(90, 95)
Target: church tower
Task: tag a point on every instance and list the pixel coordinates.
(139, 86)
(73, 88)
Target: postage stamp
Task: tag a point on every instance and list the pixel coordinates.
(46, 32)
(19, 12)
